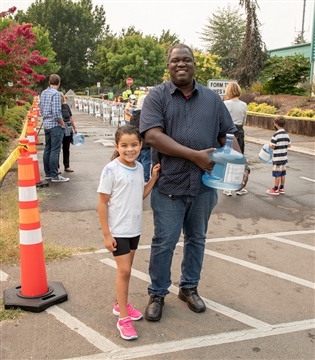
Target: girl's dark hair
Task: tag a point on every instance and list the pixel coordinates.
(125, 130)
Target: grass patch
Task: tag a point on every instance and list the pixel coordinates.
(9, 315)
(10, 240)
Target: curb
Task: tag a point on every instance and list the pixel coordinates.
(292, 148)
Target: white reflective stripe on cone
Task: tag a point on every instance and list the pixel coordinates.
(31, 138)
(34, 157)
(27, 193)
(30, 237)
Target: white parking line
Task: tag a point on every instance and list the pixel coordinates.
(92, 336)
(3, 276)
(259, 236)
(202, 341)
(305, 178)
(259, 329)
(294, 243)
(224, 310)
(262, 269)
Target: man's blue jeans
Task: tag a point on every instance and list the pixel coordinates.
(53, 141)
(145, 159)
(171, 215)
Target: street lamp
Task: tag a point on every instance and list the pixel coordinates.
(145, 62)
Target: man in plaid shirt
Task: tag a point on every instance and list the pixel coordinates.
(54, 127)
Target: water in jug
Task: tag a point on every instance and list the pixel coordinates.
(228, 171)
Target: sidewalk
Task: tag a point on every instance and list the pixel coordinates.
(300, 143)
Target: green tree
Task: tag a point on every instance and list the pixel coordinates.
(207, 67)
(253, 53)
(223, 36)
(167, 40)
(125, 58)
(282, 75)
(43, 45)
(75, 30)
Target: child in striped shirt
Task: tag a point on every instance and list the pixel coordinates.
(279, 142)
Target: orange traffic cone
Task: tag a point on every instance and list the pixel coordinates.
(31, 135)
(34, 294)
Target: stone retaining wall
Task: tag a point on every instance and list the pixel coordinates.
(300, 126)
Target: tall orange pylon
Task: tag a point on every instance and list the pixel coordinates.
(31, 135)
(35, 293)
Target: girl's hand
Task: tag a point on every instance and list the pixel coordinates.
(156, 171)
(110, 243)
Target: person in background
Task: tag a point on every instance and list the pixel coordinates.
(183, 121)
(125, 95)
(121, 192)
(280, 142)
(137, 93)
(145, 152)
(70, 128)
(54, 127)
(131, 104)
(238, 111)
(110, 96)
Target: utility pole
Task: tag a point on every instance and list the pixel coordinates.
(303, 20)
(312, 55)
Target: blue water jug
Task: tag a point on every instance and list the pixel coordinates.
(228, 171)
(78, 139)
(265, 154)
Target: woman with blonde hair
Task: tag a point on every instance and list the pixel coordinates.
(238, 111)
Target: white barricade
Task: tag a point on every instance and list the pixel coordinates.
(97, 109)
(106, 110)
(91, 107)
(85, 105)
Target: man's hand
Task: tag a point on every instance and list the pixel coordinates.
(202, 159)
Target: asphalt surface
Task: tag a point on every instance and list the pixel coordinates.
(257, 280)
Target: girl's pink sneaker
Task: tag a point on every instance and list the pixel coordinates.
(133, 313)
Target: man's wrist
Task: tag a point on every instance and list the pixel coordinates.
(247, 168)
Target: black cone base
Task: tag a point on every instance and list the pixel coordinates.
(14, 300)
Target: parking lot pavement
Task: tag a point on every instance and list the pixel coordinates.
(258, 284)
(259, 293)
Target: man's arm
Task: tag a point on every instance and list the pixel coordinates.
(156, 138)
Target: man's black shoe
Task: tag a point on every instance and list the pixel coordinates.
(194, 301)
(153, 312)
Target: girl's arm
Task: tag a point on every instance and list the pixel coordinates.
(109, 241)
(154, 176)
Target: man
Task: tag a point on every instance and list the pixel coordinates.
(183, 122)
(54, 127)
(125, 95)
(137, 93)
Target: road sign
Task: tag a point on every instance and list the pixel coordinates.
(219, 86)
(129, 81)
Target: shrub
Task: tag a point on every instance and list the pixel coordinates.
(11, 127)
(261, 108)
(296, 112)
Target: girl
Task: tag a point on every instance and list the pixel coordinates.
(121, 191)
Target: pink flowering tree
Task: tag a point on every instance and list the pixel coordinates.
(17, 77)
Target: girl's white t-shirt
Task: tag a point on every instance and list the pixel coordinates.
(125, 186)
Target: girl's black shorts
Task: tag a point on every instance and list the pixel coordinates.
(124, 245)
